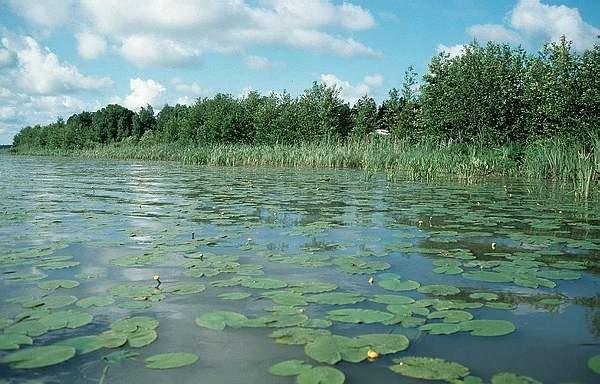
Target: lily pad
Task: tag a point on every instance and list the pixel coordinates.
(218, 320)
(439, 289)
(95, 301)
(14, 341)
(451, 316)
(264, 283)
(488, 276)
(392, 299)
(321, 375)
(170, 360)
(440, 328)
(336, 298)
(38, 357)
(487, 327)
(511, 378)
(289, 368)
(594, 363)
(487, 296)
(298, 335)
(358, 316)
(399, 285)
(83, 344)
(429, 368)
(55, 284)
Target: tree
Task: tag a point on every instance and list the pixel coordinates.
(364, 117)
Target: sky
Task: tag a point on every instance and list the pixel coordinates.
(59, 57)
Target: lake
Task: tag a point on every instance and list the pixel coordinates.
(258, 266)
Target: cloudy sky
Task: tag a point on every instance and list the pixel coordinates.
(59, 57)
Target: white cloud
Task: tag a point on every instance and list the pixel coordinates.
(144, 50)
(143, 92)
(493, 32)
(46, 13)
(258, 63)
(5, 57)
(453, 51)
(552, 21)
(189, 88)
(351, 93)
(174, 33)
(90, 45)
(39, 71)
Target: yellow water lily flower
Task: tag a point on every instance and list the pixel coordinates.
(371, 280)
(372, 355)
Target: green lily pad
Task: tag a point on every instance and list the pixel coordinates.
(451, 316)
(594, 363)
(55, 284)
(289, 368)
(511, 378)
(83, 344)
(336, 298)
(264, 283)
(118, 356)
(234, 296)
(49, 302)
(392, 299)
(487, 327)
(14, 341)
(487, 296)
(358, 316)
(439, 289)
(183, 288)
(334, 348)
(488, 276)
(95, 301)
(170, 360)
(298, 335)
(38, 357)
(132, 324)
(112, 339)
(440, 328)
(429, 368)
(218, 320)
(321, 375)
(399, 285)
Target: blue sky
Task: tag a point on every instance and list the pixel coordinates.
(58, 57)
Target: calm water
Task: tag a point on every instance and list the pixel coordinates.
(111, 226)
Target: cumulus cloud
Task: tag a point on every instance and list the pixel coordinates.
(493, 32)
(453, 51)
(167, 33)
(90, 45)
(38, 70)
(351, 93)
(47, 13)
(143, 92)
(258, 63)
(189, 88)
(532, 17)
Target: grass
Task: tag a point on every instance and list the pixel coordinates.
(553, 159)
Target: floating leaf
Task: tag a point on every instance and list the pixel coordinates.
(218, 320)
(183, 288)
(141, 337)
(321, 375)
(50, 302)
(132, 324)
(439, 289)
(487, 296)
(37, 357)
(440, 328)
(511, 378)
(488, 276)
(298, 335)
(359, 316)
(58, 264)
(487, 327)
(14, 341)
(95, 301)
(170, 360)
(429, 368)
(118, 356)
(392, 299)
(55, 284)
(399, 285)
(83, 344)
(594, 363)
(289, 368)
(336, 298)
(451, 316)
(264, 283)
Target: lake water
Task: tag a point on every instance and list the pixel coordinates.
(526, 254)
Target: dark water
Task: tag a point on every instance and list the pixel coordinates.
(297, 226)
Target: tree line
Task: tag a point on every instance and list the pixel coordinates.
(492, 94)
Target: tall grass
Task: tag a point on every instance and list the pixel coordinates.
(552, 159)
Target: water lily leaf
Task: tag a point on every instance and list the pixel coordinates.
(286, 298)
(559, 275)
(111, 339)
(321, 375)
(429, 368)
(329, 349)
(487, 327)
(359, 316)
(594, 363)
(170, 360)
(264, 283)
(529, 281)
(336, 298)
(392, 299)
(439, 289)
(55, 284)
(451, 316)
(551, 302)
(440, 328)
(135, 305)
(50, 302)
(487, 296)
(118, 356)
(37, 357)
(14, 341)
(399, 285)
(58, 264)
(511, 378)
(448, 270)
(317, 323)
(289, 368)
(488, 276)
(31, 328)
(218, 320)
(95, 301)
(234, 296)
(83, 344)
(183, 288)
(384, 343)
(298, 335)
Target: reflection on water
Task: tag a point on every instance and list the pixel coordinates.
(110, 224)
